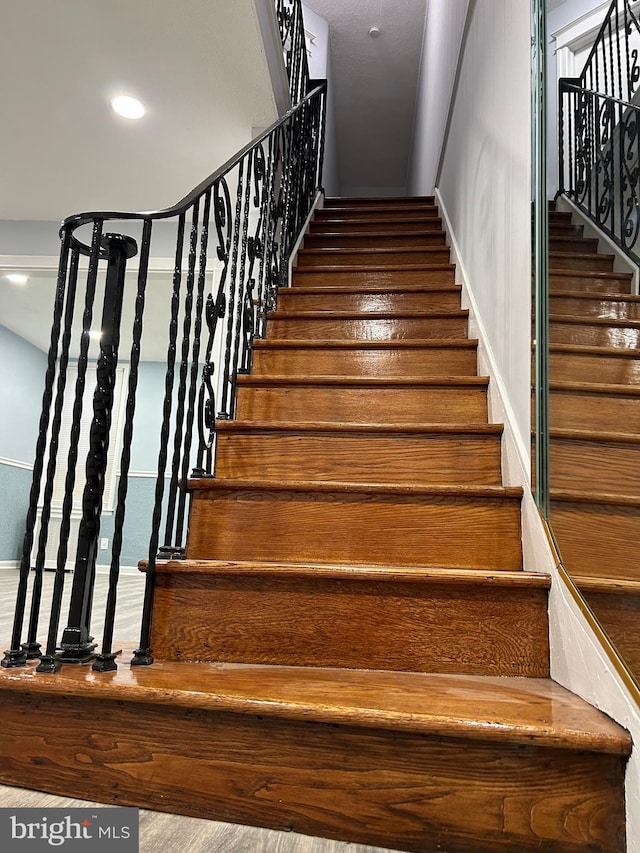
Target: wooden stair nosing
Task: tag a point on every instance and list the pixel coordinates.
(364, 289)
(592, 498)
(358, 235)
(599, 297)
(336, 314)
(590, 349)
(595, 388)
(606, 586)
(594, 435)
(239, 426)
(335, 343)
(587, 320)
(337, 200)
(371, 268)
(364, 573)
(377, 251)
(596, 275)
(487, 708)
(212, 484)
(249, 380)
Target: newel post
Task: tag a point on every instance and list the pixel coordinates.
(77, 644)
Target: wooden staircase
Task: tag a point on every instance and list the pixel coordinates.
(352, 648)
(595, 429)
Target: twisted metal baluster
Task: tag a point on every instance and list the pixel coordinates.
(16, 656)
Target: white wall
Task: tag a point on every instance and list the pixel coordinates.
(485, 185)
(444, 25)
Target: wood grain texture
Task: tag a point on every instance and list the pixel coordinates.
(390, 300)
(595, 305)
(595, 331)
(575, 261)
(596, 462)
(570, 243)
(592, 406)
(415, 357)
(273, 617)
(455, 528)
(592, 281)
(374, 275)
(361, 784)
(379, 456)
(571, 363)
(390, 211)
(597, 539)
(365, 257)
(329, 239)
(616, 605)
(404, 224)
(456, 402)
(321, 325)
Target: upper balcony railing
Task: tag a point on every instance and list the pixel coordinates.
(231, 240)
(599, 130)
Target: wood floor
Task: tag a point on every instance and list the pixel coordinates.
(595, 428)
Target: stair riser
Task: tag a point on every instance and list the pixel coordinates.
(619, 615)
(589, 285)
(559, 217)
(327, 404)
(611, 309)
(598, 540)
(402, 225)
(573, 244)
(391, 303)
(372, 278)
(593, 262)
(500, 631)
(596, 336)
(558, 230)
(377, 201)
(594, 368)
(576, 410)
(595, 466)
(327, 780)
(289, 526)
(363, 241)
(357, 213)
(307, 258)
(335, 361)
(383, 329)
(364, 458)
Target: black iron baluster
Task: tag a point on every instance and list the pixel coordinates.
(242, 285)
(105, 661)
(171, 549)
(228, 378)
(33, 648)
(49, 661)
(195, 360)
(17, 655)
(77, 645)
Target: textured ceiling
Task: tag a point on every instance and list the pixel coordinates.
(375, 85)
(202, 74)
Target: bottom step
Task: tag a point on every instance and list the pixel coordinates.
(409, 761)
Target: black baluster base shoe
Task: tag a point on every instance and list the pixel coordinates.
(142, 657)
(14, 658)
(106, 662)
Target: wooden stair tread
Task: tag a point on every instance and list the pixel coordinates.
(593, 274)
(365, 268)
(332, 200)
(588, 349)
(593, 435)
(586, 320)
(416, 490)
(474, 577)
(362, 289)
(376, 234)
(334, 314)
(595, 388)
(519, 710)
(366, 381)
(600, 297)
(408, 217)
(400, 343)
(606, 586)
(370, 428)
(579, 255)
(378, 250)
(590, 497)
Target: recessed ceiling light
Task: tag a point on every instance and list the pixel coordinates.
(374, 32)
(17, 278)
(128, 107)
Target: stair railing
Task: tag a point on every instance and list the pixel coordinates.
(292, 34)
(599, 131)
(231, 240)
